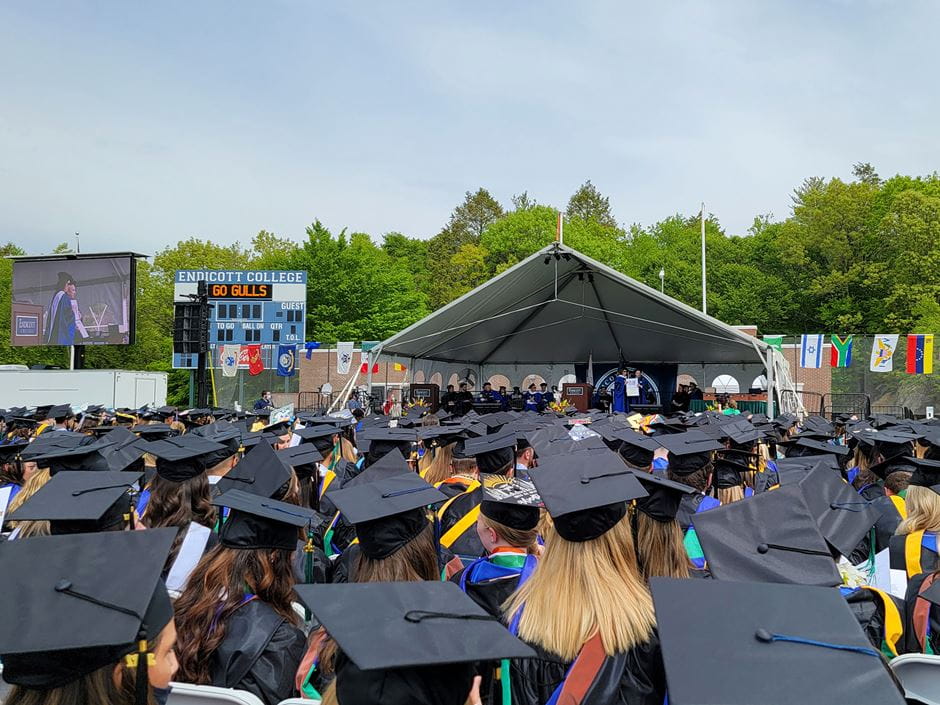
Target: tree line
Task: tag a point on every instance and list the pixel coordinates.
(856, 256)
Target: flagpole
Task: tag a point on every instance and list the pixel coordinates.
(704, 299)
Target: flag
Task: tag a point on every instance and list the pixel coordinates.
(367, 345)
(811, 354)
(255, 364)
(309, 347)
(920, 354)
(230, 356)
(840, 354)
(286, 360)
(398, 367)
(774, 341)
(363, 363)
(882, 353)
(344, 356)
(590, 370)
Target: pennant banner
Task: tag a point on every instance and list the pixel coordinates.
(398, 367)
(920, 354)
(309, 347)
(774, 341)
(255, 363)
(286, 360)
(882, 353)
(811, 353)
(344, 356)
(840, 352)
(230, 359)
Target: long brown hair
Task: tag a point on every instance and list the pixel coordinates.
(11, 473)
(216, 589)
(416, 560)
(659, 548)
(441, 465)
(176, 504)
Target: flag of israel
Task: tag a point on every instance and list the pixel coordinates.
(811, 354)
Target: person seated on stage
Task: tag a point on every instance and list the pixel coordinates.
(533, 398)
(547, 396)
(464, 400)
(695, 394)
(503, 398)
(681, 399)
(488, 395)
(449, 399)
(516, 399)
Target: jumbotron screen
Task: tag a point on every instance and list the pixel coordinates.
(78, 300)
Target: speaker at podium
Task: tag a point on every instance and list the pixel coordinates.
(578, 394)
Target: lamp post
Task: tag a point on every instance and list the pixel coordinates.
(662, 280)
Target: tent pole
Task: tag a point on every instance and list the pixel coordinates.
(771, 382)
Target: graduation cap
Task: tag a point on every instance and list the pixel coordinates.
(387, 513)
(320, 435)
(728, 471)
(894, 464)
(388, 465)
(75, 604)
(493, 452)
(927, 473)
(260, 522)
(689, 451)
(512, 502)
(380, 441)
(741, 432)
(88, 456)
(154, 431)
(407, 642)
(10, 450)
(59, 411)
(81, 502)
(663, 496)
(165, 412)
(224, 433)
(183, 457)
(801, 445)
(586, 494)
(818, 424)
(842, 515)
(260, 472)
(772, 537)
(51, 442)
(785, 421)
(767, 644)
(303, 458)
(635, 448)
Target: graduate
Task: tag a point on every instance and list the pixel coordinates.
(406, 662)
(12, 476)
(619, 403)
(690, 462)
(913, 548)
(533, 399)
(659, 538)
(86, 620)
(604, 623)
(236, 625)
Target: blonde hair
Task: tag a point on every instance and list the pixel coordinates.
(441, 465)
(602, 589)
(730, 494)
(30, 487)
(660, 548)
(923, 510)
(517, 538)
(348, 450)
(329, 695)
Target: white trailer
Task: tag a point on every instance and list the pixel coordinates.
(111, 388)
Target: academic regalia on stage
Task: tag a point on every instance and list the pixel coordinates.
(261, 649)
(619, 402)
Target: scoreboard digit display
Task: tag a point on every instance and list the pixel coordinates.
(249, 307)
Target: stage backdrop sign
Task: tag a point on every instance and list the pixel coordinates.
(249, 307)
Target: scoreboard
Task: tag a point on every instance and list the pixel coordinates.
(249, 307)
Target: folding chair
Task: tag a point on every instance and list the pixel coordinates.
(920, 676)
(189, 694)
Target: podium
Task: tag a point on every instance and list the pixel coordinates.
(578, 394)
(427, 393)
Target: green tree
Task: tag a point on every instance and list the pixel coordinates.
(587, 203)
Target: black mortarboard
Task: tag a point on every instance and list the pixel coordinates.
(842, 515)
(768, 644)
(9, 451)
(741, 432)
(799, 446)
(895, 464)
(260, 472)
(689, 451)
(81, 502)
(154, 431)
(53, 441)
(772, 537)
(785, 421)
(388, 465)
(384, 440)
(387, 513)
(728, 469)
(59, 411)
(303, 458)
(663, 496)
(87, 456)
(512, 502)
(387, 626)
(586, 494)
(817, 424)
(260, 522)
(927, 473)
(636, 448)
(493, 452)
(74, 604)
(319, 435)
(183, 457)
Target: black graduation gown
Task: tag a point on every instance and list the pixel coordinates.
(869, 610)
(491, 594)
(468, 543)
(635, 677)
(928, 559)
(260, 653)
(687, 508)
(910, 643)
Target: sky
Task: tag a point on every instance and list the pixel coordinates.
(141, 124)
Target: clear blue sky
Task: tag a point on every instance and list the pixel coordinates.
(139, 124)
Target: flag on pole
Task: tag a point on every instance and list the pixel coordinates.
(398, 367)
(920, 354)
(286, 360)
(811, 354)
(344, 356)
(774, 341)
(840, 353)
(590, 370)
(363, 362)
(309, 347)
(882, 353)
(230, 355)
(255, 363)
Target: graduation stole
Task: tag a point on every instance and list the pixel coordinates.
(892, 626)
(913, 543)
(581, 675)
(899, 504)
(465, 522)
(504, 562)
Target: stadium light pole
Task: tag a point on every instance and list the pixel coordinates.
(662, 280)
(704, 299)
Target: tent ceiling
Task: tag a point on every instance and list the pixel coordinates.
(549, 309)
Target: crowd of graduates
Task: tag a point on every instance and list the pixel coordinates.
(530, 557)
